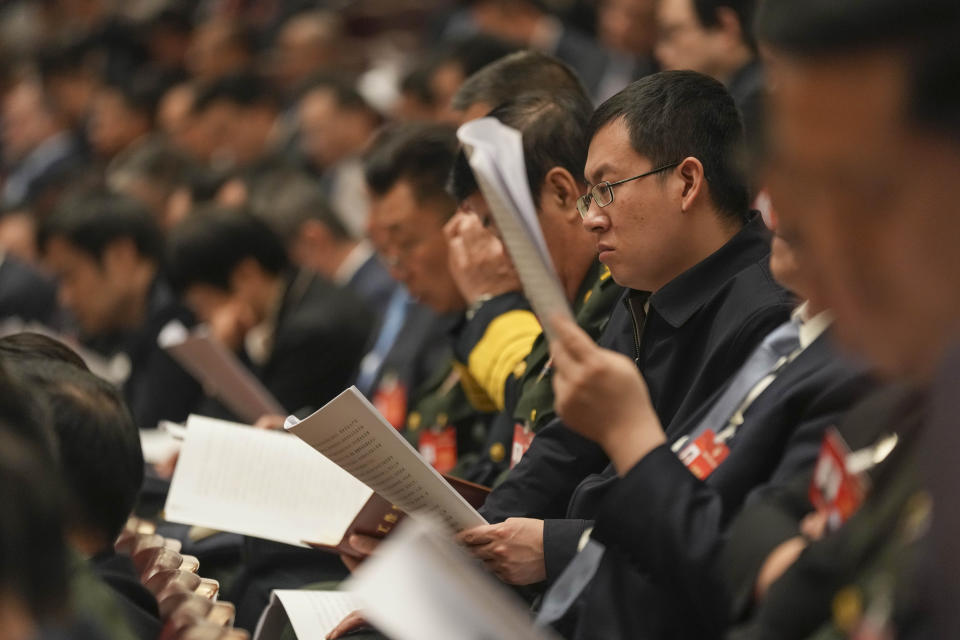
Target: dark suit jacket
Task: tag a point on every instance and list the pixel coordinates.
(664, 529)
(801, 600)
(138, 604)
(158, 388)
(373, 285)
(700, 328)
(27, 294)
(318, 340)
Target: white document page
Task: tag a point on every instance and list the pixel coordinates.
(313, 614)
(421, 586)
(495, 152)
(222, 375)
(351, 432)
(260, 483)
(158, 445)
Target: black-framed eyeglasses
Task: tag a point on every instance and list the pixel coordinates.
(602, 192)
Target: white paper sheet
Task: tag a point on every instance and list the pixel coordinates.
(495, 152)
(313, 614)
(265, 484)
(158, 445)
(352, 433)
(421, 586)
(222, 375)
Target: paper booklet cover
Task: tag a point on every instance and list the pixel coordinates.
(351, 432)
(495, 153)
(220, 372)
(268, 484)
(421, 586)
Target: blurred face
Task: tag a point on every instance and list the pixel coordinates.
(98, 294)
(26, 123)
(628, 26)
(412, 242)
(327, 133)
(640, 232)
(868, 204)
(113, 125)
(682, 42)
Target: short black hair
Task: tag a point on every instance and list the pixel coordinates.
(421, 154)
(706, 11)
(100, 453)
(243, 89)
(208, 245)
(554, 129)
(29, 345)
(140, 92)
(673, 115)
(92, 221)
(514, 75)
(925, 32)
(153, 160)
(22, 411)
(474, 52)
(33, 552)
(287, 198)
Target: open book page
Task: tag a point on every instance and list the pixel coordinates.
(313, 614)
(421, 586)
(495, 152)
(220, 372)
(351, 432)
(260, 483)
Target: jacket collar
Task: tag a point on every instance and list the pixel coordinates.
(678, 300)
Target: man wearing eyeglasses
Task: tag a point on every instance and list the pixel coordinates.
(669, 213)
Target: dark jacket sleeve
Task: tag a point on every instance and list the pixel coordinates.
(672, 526)
(560, 541)
(542, 483)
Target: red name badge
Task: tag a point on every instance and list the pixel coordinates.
(704, 455)
(390, 399)
(522, 437)
(835, 491)
(439, 448)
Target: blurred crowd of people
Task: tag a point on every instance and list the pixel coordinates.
(746, 427)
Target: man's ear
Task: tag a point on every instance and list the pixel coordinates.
(315, 234)
(246, 271)
(560, 191)
(120, 255)
(693, 182)
(729, 23)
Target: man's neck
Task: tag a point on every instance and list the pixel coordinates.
(703, 241)
(738, 59)
(340, 263)
(138, 303)
(575, 266)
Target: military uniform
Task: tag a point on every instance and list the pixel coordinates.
(528, 393)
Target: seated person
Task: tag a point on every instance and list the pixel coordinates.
(662, 509)
(554, 128)
(102, 465)
(106, 252)
(301, 335)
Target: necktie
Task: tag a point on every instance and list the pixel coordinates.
(565, 591)
(765, 359)
(393, 319)
(779, 344)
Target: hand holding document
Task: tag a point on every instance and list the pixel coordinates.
(222, 375)
(421, 586)
(495, 152)
(351, 432)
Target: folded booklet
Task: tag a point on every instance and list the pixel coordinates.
(220, 372)
(421, 586)
(495, 153)
(268, 484)
(351, 432)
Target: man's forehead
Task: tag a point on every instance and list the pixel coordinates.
(610, 151)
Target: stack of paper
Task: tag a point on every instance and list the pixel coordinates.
(495, 152)
(312, 614)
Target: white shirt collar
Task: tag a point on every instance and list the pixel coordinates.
(357, 257)
(811, 328)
